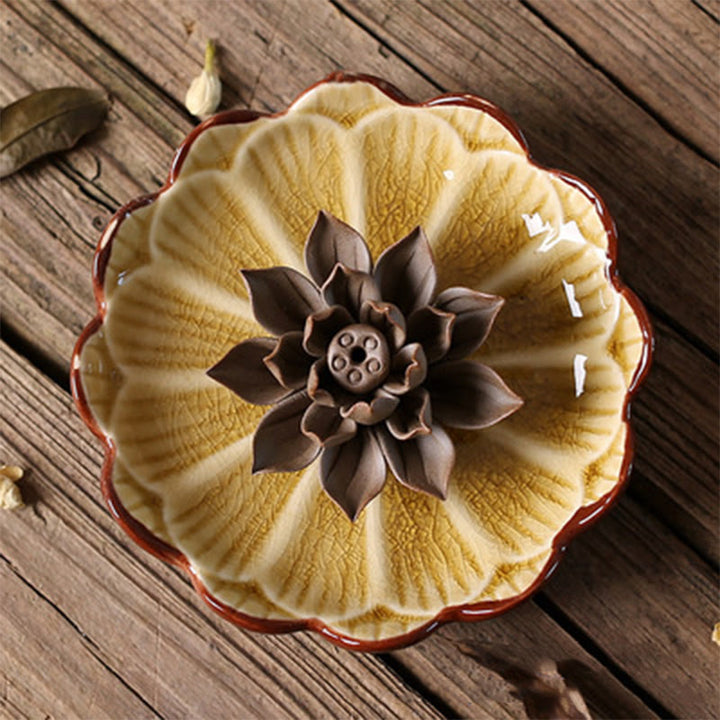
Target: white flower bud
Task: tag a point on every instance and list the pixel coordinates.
(203, 95)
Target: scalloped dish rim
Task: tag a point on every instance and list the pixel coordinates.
(469, 612)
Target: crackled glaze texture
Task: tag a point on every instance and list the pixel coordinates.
(274, 546)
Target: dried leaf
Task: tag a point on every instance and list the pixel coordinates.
(716, 633)
(47, 121)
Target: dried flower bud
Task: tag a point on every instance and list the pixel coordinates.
(10, 497)
(203, 95)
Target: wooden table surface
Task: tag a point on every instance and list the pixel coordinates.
(623, 93)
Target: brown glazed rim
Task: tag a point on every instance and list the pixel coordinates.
(470, 612)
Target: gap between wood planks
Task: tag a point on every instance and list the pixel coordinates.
(88, 641)
(596, 651)
(586, 57)
(712, 15)
(618, 83)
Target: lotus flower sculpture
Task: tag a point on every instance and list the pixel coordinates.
(367, 366)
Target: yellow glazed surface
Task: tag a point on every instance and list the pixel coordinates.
(274, 545)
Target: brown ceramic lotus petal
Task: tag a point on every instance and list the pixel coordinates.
(349, 288)
(405, 272)
(322, 326)
(432, 328)
(422, 463)
(412, 417)
(318, 373)
(409, 369)
(332, 241)
(282, 298)
(380, 407)
(323, 388)
(475, 313)
(242, 370)
(288, 362)
(387, 318)
(326, 426)
(354, 473)
(469, 395)
(279, 445)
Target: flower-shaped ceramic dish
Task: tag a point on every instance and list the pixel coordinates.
(275, 551)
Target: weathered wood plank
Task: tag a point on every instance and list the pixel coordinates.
(47, 667)
(269, 51)
(45, 256)
(648, 601)
(512, 646)
(676, 459)
(665, 53)
(660, 191)
(140, 618)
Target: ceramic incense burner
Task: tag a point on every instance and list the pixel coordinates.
(361, 367)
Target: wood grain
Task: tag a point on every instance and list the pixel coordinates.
(138, 616)
(506, 648)
(48, 666)
(663, 53)
(660, 192)
(264, 61)
(646, 600)
(676, 461)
